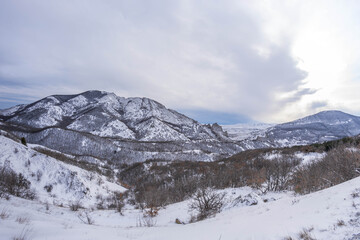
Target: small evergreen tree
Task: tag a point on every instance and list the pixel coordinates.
(23, 141)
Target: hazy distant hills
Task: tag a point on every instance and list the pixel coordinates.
(97, 125)
(320, 127)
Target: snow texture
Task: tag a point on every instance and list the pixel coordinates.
(329, 214)
(69, 183)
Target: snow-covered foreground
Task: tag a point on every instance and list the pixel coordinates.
(329, 214)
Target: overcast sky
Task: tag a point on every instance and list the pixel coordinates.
(218, 61)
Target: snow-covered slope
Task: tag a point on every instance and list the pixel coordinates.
(67, 182)
(243, 131)
(330, 214)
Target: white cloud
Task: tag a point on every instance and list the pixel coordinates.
(233, 56)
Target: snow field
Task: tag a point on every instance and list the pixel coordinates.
(283, 216)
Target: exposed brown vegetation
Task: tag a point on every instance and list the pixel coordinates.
(156, 183)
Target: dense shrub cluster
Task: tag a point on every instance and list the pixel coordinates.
(339, 165)
(157, 183)
(113, 201)
(14, 184)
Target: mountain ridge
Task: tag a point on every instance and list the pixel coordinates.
(108, 127)
(131, 116)
(131, 128)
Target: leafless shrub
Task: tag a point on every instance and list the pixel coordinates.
(151, 212)
(91, 176)
(356, 193)
(193, 218)
(339, 165)
(288, 238)
(278, 172)
(145, 221)
(207, 202)
(15, 184)
(24, 234)
(99, 181)
(22, 220)
(5, 213)
(100, 202)
(340, 223)
(75, 206)
(305, 234)
(116, 201)
(86, 218)
(4, 195)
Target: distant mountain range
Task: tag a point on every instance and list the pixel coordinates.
(320, 127)
(97, 125)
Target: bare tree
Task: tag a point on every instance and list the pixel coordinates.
(207, 202)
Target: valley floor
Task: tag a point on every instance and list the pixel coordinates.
(332, 213)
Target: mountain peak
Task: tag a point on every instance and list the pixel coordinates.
(330, 117)
(108, 115)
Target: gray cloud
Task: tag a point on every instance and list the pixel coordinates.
(298, 94)
(318, 104)
(188, 54)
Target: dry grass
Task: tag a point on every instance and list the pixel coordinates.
(305, 234)
(24, 234)
(340, 223)
(22, 220)
(4, 214)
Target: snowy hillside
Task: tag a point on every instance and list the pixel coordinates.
(52, 180)
(330, 214)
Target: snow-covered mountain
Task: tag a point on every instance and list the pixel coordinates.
(320, 127)
(317, 128)
(102, 125)
(107, 115)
